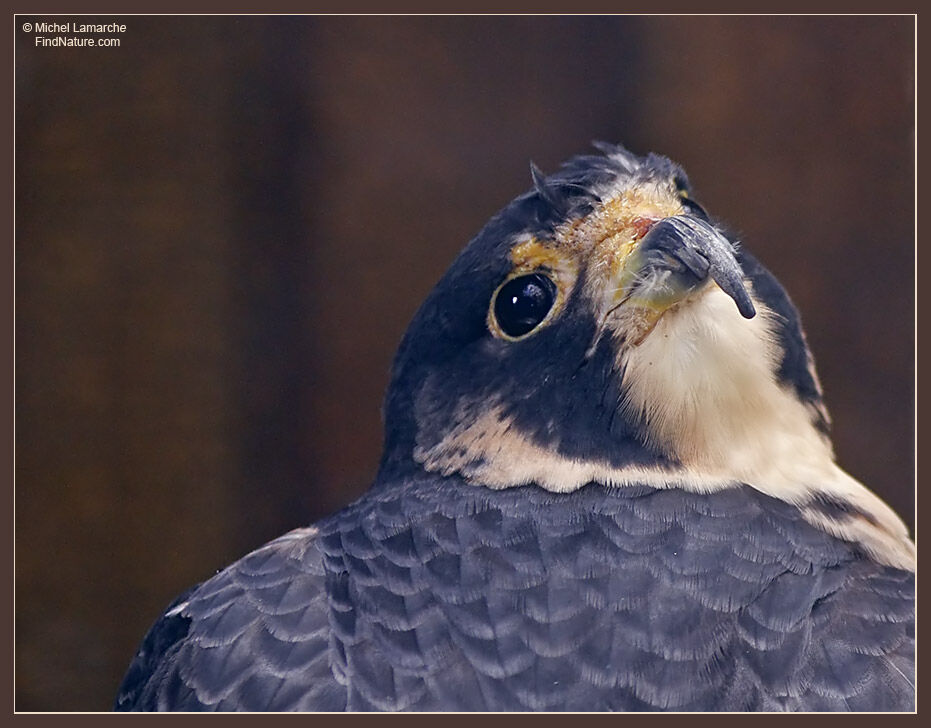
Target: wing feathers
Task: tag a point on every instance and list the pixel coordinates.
(442, 596)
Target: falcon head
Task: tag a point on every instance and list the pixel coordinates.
(603, 328)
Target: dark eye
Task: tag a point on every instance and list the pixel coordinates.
(523, 302)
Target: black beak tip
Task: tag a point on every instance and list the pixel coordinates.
(746, 307)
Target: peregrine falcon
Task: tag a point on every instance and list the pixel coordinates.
(607, 484)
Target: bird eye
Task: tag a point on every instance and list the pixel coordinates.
(521, 304)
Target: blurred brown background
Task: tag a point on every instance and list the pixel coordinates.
(224, 225)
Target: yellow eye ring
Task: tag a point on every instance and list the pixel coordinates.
(522, 304)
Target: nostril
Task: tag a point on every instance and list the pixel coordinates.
(642, 225)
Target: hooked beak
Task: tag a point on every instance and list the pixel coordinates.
(678, 256)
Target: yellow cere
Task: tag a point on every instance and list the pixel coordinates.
(609, 234)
